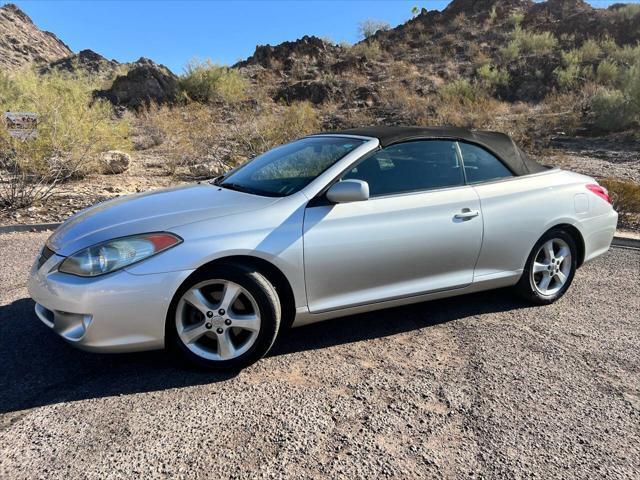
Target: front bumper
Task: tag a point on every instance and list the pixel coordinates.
(118, 312)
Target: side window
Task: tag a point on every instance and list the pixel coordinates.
(480, 165)
(410, 166)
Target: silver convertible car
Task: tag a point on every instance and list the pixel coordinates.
(326, 226)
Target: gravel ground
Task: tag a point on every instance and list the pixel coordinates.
(480, 386)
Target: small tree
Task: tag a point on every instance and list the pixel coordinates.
(369, 27)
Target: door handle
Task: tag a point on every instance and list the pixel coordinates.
(466, 214)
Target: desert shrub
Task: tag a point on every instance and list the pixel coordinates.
(612, 110)
(625, 197)
(608, 45)
(368, 28)
(191, 134)
(541, 43)
(618, 106)
(569, 75)
(629, 82)
(627, 55)
(404, 103)
(370, 49)
(607, 72)
(627, 12)
(482, 111)
(590, 51)
(459, 20)
(259, 133)
(515, 19)
(208, 82)
(402, 69)
(459, 90)
(510, 52)
(492, 77)
(72, 130)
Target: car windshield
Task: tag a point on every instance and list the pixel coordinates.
(289, 168)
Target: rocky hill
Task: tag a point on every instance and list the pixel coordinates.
(438, 47)
(21, 42)
(506, 37)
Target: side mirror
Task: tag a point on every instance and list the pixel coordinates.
(348, 191)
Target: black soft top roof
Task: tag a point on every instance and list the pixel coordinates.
(499, 144)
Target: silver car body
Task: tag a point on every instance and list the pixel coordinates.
(338, 259)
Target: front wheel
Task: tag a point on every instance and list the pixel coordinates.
(550, 268)
(224, 318)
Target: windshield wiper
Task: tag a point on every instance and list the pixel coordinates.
(239, 188)
(244, 189)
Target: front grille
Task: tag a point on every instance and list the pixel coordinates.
(45, 255)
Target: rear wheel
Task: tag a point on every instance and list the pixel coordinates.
(550, 268)
(225, 318)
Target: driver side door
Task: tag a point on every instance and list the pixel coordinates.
(420, 231)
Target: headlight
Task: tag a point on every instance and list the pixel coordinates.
(115, 254)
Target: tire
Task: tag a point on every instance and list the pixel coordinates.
(558, 268)
(211, 329)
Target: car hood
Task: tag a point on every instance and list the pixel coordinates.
(153, 211)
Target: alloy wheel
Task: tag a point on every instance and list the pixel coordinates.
(551, 267)
(217, 320)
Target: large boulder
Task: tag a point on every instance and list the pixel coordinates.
(145, 83)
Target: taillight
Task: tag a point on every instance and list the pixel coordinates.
(599, 190)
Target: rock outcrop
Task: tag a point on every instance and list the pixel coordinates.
(146, 82)
(86, 61)
(309, 50)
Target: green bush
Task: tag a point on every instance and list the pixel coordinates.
(515, 19)
(608, 45)
(461, 90)
(541, 43)
(569, 74)
(590, 51)
(71, 126)
(607, 72)
(207, 82)
(568, 77)
(492, 77)
(370, 49)
(612, 110)
(510, 52)
(627, 55)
